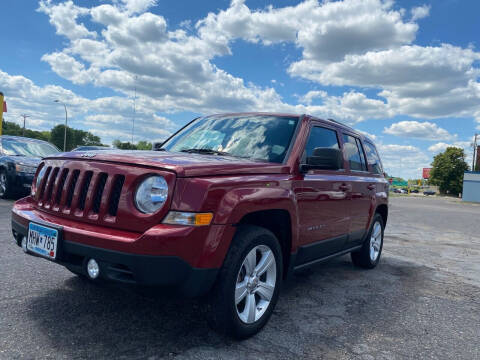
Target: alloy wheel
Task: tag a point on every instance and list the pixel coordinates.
(255, 285)
(375, 241)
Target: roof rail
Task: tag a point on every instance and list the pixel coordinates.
(340, 123)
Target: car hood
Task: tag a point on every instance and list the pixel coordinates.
(183, 164)
(29, 161)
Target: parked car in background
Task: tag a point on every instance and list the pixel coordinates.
(227, 206)
(414, 191)
(19, 159)
(91, 148)
(429, 192)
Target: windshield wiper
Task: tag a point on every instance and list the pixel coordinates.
(205, 151)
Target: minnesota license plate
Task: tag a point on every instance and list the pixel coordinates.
(42, 240)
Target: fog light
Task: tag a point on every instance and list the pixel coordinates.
(93, 269)
(24, 244)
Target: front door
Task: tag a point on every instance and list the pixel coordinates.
(322, 197)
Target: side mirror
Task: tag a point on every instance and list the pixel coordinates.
(324, 159)
(156, 146)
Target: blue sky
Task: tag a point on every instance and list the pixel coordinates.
(405, 72)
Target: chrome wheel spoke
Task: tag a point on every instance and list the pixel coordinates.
(265, 263)
(250, 262)
(250, 308)
(265, 290)
(240, 291)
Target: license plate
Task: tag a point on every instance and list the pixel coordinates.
(42, 240)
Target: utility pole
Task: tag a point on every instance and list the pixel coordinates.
(474, 152)
(25, 116)
(134, 109)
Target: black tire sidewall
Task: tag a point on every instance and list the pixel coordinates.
(376, 218)
(245, 240)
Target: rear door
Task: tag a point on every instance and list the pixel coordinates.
(322, 201)
(362, 187)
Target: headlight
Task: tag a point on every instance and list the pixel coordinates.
(151, 194)
(38, 180)
(28, 169)
(188, 218)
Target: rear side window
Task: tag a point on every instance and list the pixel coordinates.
(373, 158)
(354, 153)
(321, 137)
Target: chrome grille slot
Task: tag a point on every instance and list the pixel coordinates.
(61, 184)
(44, 183)
(51, 182)
(115, 195)
(97, 200)
(71, 188)
(85, 186)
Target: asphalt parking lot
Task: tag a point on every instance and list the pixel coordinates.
(421, 302)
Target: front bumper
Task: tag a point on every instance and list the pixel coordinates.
(23, 181)
(187, 258)
(132, 268)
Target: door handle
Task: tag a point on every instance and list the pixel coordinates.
(371, 187)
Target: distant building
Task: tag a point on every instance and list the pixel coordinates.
(471, 186)
(426, 173)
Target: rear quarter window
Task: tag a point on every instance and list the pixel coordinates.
(373, 158)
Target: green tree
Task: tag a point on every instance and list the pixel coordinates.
(141, 145)
(124, 145)
(75, 137)
(448, 169)
(10, 128)
(144, 145)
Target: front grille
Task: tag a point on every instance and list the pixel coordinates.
(73, 191)
(96, 192)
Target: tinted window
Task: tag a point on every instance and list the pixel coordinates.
(353, 153)
(321, 137)
(373, 158)
(255, 137)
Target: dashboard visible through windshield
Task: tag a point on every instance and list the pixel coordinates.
(258, 137)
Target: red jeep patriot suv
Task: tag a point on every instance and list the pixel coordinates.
(229, 205)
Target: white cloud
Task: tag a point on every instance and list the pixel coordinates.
(420, 12)
(441, 146)
(63, 16)
(403, 160)
(419, 130)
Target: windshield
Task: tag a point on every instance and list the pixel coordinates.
(16, 147)
(255, 137)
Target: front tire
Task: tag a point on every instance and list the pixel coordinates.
(246, 292)
(369, 255)
(5, 186)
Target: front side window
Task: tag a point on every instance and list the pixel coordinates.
(373, 158)
(257, 137)
(321, 137)
(354, 153)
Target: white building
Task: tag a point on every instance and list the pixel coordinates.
(471, 186)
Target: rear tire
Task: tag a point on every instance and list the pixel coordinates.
(369, 255)
(248, 284)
